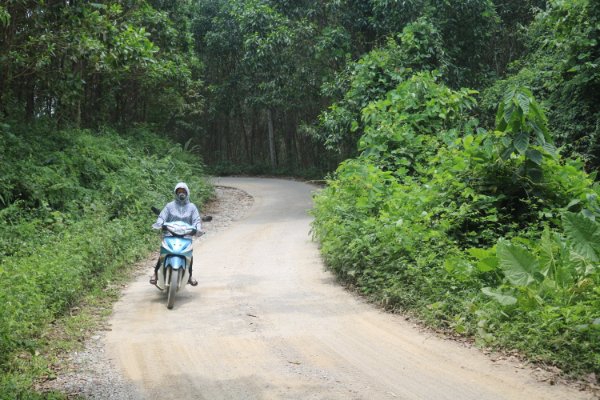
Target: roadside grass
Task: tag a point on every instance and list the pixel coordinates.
(65, 335)
(76, 207)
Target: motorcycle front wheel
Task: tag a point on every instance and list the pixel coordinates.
(173, 283)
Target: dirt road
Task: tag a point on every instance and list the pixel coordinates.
(267, 322)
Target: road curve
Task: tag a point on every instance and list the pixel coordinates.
(268, 322)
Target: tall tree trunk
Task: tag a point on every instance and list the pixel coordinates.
(78, 114)
(30, 101)
(78, 72)
(290, 122)
(247, 157)
(4, 83)
(271, 139)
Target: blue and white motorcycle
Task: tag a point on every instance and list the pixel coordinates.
(175, 259)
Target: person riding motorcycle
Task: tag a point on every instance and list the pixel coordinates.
(180, 209)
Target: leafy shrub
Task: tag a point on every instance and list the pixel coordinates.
(417, 48)
(562, 70)
(490, 233)
(76, 207)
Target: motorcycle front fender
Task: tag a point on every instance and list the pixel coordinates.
(175, 262)
(170, 263)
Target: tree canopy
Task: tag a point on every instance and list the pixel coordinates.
(279, 85)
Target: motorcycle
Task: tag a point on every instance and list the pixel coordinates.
(175, 259)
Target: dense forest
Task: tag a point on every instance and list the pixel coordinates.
(263, 84)
(460, 142)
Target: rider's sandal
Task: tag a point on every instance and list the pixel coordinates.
(153, 280)
(193, 282)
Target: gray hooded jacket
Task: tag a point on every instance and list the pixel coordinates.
(179, 210)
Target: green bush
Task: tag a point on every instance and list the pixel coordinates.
(490, 233)
(75, 206)
(561, 68)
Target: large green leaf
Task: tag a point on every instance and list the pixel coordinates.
(583, 234)
(521, 142)
(535, 156)
(487, 260)
(517, 263)
(504, 299)
(553, 264)
(524, 100)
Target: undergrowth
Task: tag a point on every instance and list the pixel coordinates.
(75, 206)
(242, 169)
(489, 233)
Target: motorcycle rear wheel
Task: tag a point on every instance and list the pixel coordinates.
(174, 282)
